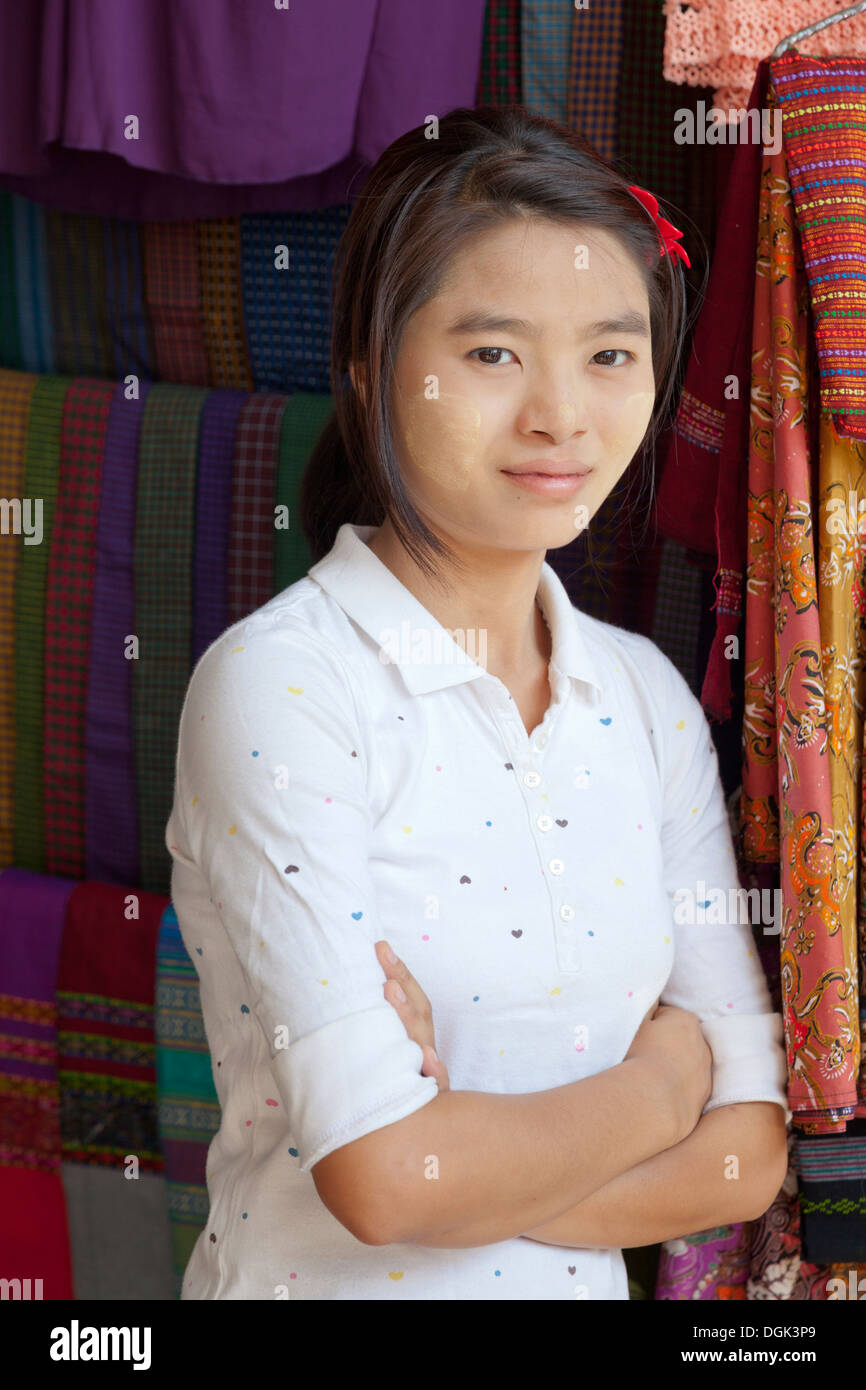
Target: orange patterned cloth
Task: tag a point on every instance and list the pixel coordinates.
(800, 793)
(719, 43)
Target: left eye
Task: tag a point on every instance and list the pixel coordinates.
(489, 349)
(607, 352)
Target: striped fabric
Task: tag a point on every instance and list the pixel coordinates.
(545, 43)
(31, 306)
(254, 490)
(222, 311)
(105, 1019)
(304, 418)
(832, 1177)
(174, 302)
(287, 296)
(213, 513)
(499, 80)
(10, 340)
(189, 1109)
(823, 104)
(68, 597)
(111, 806)
(596, 51)
(76, 290)
(107, 1069)
(34, 1241)
(41, 472)
(16, 390)
(164, 520)
(242, 303)
(129, 327)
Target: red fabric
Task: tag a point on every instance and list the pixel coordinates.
(34, 1237)
(701, 500)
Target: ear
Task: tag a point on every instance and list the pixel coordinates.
(358, 379)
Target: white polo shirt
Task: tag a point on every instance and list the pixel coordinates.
(346, 772)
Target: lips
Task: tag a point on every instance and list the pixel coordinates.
(542, 468)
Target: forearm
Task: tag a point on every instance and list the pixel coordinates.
(508, 1163)
(686, 1188)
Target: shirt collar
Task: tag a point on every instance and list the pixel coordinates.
(410, 638)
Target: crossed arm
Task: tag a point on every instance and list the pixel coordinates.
(687, 1188)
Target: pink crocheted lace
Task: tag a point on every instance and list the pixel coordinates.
(719, 43)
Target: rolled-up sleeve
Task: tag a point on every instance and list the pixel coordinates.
(271, 791)
(717, 973)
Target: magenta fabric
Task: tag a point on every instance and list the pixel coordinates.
(240, 108)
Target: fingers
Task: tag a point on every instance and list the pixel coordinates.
(399, 975)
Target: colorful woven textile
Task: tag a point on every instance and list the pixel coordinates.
(832, 1174)
(111, 805)
(34, 1241)
(41, 476)
(241, 303)
(16, 390)
(107, 1063)
(189, 1109)
(701, 499)
(254, 491)
(68, 598)
(545, 47)
(499, 80)
(286, 296)
(106, 1039)
(303, 420)
(596, 49)
(164, 522)
(823, 103)
(213, 513)
(786, 810)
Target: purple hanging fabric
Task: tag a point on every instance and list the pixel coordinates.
(109, 770)
(213, 500)
(178, 109)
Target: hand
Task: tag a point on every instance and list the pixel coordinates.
(671, 1040)
(415, 1013)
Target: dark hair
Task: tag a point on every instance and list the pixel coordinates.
(423, 199)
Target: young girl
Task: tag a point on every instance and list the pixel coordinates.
(423, 744)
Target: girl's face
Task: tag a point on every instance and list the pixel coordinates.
(564, 385)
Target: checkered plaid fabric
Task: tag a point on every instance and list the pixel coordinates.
(164, 529)
(16, 390)
(41, 478)
(68, 592)
(254, 490)
(499, 77)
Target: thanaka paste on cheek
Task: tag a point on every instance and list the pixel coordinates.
(441, 435)
(632, 424)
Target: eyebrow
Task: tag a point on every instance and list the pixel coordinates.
(480, 322)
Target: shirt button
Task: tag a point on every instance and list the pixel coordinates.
(556, 866)
(541, 741)
(531, 779)
(544, 822)
(566, 912)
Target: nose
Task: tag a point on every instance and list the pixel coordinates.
(556, 406)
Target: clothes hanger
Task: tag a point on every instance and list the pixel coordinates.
(819, 24)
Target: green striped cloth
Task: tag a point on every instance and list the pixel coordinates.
(303, 420)
(164, 535)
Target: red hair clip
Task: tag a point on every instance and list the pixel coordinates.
(668, 233)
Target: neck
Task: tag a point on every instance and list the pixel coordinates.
(494, 593)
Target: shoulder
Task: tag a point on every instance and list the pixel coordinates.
(631, 658)
(299, 643)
